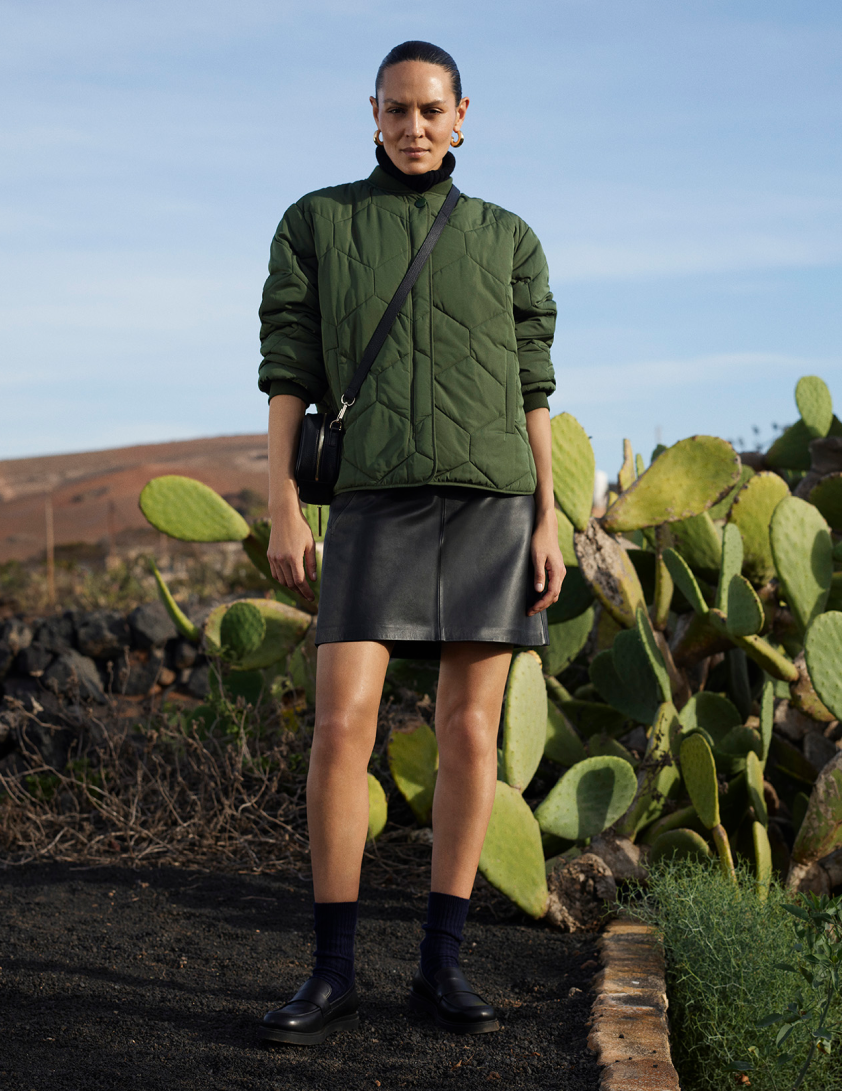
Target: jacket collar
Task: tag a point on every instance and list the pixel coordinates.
(384, 181)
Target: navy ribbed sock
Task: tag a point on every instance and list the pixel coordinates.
(336, 926)
(446, 915)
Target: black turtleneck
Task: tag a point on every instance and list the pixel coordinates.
(419, 183)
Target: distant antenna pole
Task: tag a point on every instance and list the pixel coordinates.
(51, 549)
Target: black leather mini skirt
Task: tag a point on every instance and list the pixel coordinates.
(427, 564)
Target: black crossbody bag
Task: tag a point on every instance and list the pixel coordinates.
(320, 442)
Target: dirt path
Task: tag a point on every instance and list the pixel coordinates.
(147, 980)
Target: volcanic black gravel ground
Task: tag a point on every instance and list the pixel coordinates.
(140, 980)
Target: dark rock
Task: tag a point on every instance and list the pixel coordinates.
(103, 634)
(26, 690)
(15, 635)
(51, 743)
(33, 660)
(818, 750)
(151, 625)
(137, 672)
(6, 658)
(181, 654)
(56, 633)
(74, 674)
(198, 685)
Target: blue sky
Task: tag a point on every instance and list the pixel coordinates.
(679, 161)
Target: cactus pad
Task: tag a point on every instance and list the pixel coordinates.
(186, 509)
(591, 717)
(744, 609)
(754, 786)
(413, 762)
(625, 679)
(563, 745)
(567, 638)
(524, 720)
(609, 571)
(821, 830)
(823, 653)
(684, 481)
(378, 810)
(658, 776)
(814, 404)
(699, 541)
(721, 508)
(802, 550)
(731, 563)
(285, 626)
(827, 497)
(181, 621)
(512, 857)
(566, 531)
(791, 450)
(575, 597)
(574, 469)
(653, 654)
(762, 859)
(604, 746)
(711, 712)
(699, 773)
(685, 581)
(767, 716)
(679, 844)
(752, 513)
(241, 630)
(627, 473)
(588, 798)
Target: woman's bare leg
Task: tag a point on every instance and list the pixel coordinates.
(468, 702)
(349, 684)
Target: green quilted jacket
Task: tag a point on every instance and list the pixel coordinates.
(467, 357)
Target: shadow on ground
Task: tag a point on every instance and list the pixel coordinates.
(157, 979)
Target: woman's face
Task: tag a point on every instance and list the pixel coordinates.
(416, 113)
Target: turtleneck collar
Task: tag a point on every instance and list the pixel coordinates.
(418, 183)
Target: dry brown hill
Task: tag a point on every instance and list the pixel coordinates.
(94, 493)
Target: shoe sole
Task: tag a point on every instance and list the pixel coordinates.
(421, 1006)
(277, 1035)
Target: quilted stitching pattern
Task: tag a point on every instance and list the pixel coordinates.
(443, 402)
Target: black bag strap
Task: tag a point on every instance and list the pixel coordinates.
(379, 336)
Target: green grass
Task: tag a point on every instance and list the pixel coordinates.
(721, 945)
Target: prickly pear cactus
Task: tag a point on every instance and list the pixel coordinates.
(699, 772)
(803, 553)
(685, 581)
(413, 762)
(658, 776)
(524, 720)
(241, 631)
(186, 509)
(624, 677)
(512, 857)
(567, 638)
(575, 598)
(699, 541)
(814, 404)
(563, 745)
(377, 807)
(823, 654)
(762, 859)
(754, 786)
(827, 497)
(679, 844)
(588, 798)
(566, 530)
(821, 830)
(685, 480)
(752, 512)
(606, 566)
(285, 627)
(653, 654)
(745, 615)
(181, 621)
(574, 468)
(711, 713)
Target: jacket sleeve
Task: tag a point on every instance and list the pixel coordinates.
(535, 314)
(290, 320)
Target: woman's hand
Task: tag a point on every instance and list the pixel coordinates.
(547, 561)
(292, 551)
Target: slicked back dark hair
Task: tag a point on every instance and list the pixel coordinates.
(420, 51)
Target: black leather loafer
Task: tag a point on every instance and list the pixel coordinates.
(452, 1002)
(311, 1015)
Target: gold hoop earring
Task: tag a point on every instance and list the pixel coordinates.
(379, 143)
(457, 143)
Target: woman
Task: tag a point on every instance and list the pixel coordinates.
(443, 529)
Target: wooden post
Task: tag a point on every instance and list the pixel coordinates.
(51, 550)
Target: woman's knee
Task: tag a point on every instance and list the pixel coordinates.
(466, 735)
(342, 737)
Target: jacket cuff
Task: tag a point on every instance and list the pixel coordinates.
(538, 400)
(286, 386)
